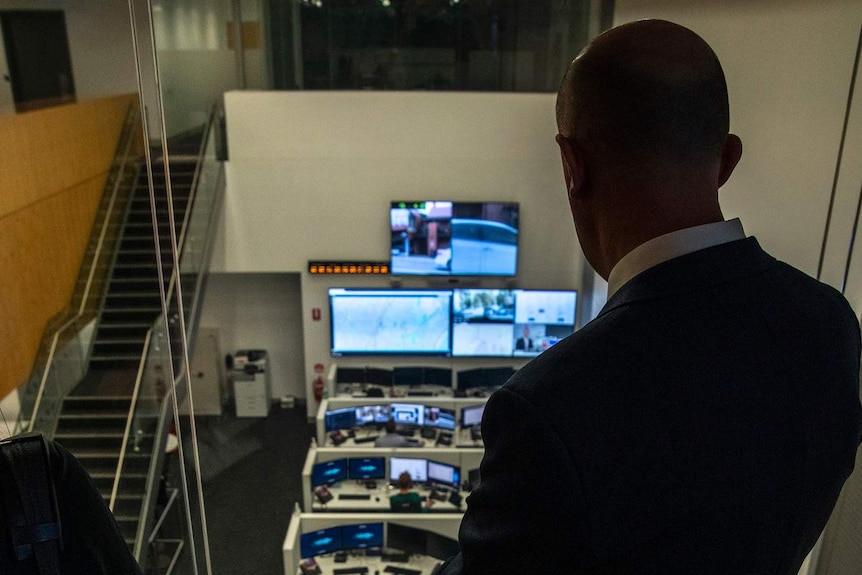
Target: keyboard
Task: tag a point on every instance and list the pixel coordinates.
(401, 570)
(356, 496)
(351, 571)
(439, 495)
(419, 393)
(364, 439)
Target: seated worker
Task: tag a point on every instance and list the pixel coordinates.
(392, 439)
(406, 501)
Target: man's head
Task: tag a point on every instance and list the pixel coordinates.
(643, 125)
(405, 482)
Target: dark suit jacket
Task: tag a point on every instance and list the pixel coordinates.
(703, 423)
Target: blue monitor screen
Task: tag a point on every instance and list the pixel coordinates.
(472, 416)
(329, 472)
(369, 322)
(417, 468)
(444, 474)
(362, 535)
(407, 413)
(372, 414)
(454, 238)
(439, 417)
(344, 418)
(366, 468)
(320, 542)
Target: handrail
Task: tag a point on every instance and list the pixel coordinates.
(130, 418)
(130, 118)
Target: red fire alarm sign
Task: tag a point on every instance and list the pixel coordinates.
(315, 314)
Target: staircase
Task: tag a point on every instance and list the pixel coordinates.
(92, 419)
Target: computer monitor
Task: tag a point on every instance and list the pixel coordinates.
(407, 539)
(350, 375)
(438, 376)
(343, 418)
(389, 322)
(366, 468)
(372, 414)
(471, 379)
(378, 376)
(417, 468)
(472, 416)
(444, 474)
(329, 472)
(408, 376)
(362, 536)
(320, 542)
(497, 376)
(407, 413)
(440, 418)
(440, 546)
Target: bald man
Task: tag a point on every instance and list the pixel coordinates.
(706, 420)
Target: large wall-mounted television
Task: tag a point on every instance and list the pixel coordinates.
(510, 323)
(454, 238)
(390, 322)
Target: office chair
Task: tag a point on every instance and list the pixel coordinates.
(406, 506)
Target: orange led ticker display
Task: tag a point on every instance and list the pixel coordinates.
(348, 268)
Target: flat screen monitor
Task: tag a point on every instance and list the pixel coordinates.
(378, 376)
(440, 546)
(343, 418)
(472, 416)
(407, 539)
(320, 542)
(407, 413)
(438, 376)
(510, 323)
(454, 238)
(408, 376)
(471, 379)
(366, 468)
(362, 536)
(350, 375)
(439, 417)
(444, 474)
(390, 322)
(372, 414)
(497, 376)
(417, 468)
(329, 472)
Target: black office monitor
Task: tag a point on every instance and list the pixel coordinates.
(472, 416)
(407, 413)
(407, 539)
(497, 376)
(329, 472)
(366, 468)
(440, 546)
(362, 536)
(350, 375)
(438, 376)
(378, 376)
(440, 418)
(320, 542)
(343, 418)
(417, 468)
(471, 379)
(444, 474)
(408, 376)
(389, 322)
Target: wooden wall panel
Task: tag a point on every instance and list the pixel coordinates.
(53, 168)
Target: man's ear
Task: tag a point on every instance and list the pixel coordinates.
(573, 166)
(730, 155)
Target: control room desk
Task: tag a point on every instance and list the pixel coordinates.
(379, 499)
(376, 566)
(461, 438)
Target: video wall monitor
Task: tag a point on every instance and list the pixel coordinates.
(440, 417)
(454, 238)
(320, 542)
(372, 414)
(444, 474)
(417, 468)
(407, 414)
(329, 472)
(366, 468)
(390, 322)
(472, 416)
(343, 418)
(362, 536)
(510, 323)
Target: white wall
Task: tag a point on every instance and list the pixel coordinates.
(788, 66)
(311, 176)
(100, 43)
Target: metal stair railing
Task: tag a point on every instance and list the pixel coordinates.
(155, 396)
(64, 351)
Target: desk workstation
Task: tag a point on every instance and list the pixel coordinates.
(362, 480)
(429, 422)
(376, 544)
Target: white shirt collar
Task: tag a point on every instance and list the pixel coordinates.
(673, 245)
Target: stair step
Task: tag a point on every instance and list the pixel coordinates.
(92, 423)
(74, 404)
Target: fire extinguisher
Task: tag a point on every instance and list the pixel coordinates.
(317, 386)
